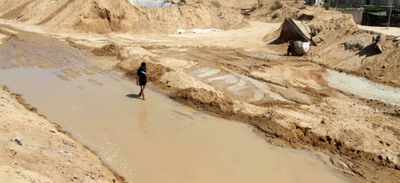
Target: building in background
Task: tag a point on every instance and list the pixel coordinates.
(357, 3)
(365, 12)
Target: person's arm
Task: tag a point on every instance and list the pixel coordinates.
(137, 77)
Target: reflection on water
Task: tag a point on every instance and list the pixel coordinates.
(143, 116)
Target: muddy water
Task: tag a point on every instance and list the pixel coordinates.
(158, 140)
(363, 87)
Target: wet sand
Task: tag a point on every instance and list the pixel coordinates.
(363, 87)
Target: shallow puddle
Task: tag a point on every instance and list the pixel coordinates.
(158, 140)
(363, 87)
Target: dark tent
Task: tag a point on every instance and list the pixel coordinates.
(292, 31)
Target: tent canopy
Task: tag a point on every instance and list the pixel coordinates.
(294, 31)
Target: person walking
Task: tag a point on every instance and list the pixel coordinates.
(141, 79)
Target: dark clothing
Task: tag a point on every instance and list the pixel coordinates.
(290, 50)
(141, 72)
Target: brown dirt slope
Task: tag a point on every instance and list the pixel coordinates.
(104, 16)
(42, 154)
(342, 45)
(276, 11)
(354, 53)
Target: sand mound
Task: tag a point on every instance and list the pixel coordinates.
(330, 27)
(104, 16)
(358, 56)
(201, 98)
(341, 44)
(275, 11)
(107, 50)
(327, 27)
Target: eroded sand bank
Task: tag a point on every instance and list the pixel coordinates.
(34, 150)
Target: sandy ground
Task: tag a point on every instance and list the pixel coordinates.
(34, 150)
(238, 75)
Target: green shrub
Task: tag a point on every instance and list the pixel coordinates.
(253, 8)
(216, 4)
(277, 5)
(327, 6)
(275, 15)
(374, 9)
(344, 6)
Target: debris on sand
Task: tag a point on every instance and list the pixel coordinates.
(18, 140)
(294, 31)
(301, 48)
(64, 152)
(197, 31)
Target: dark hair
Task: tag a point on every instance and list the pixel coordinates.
(143, 64)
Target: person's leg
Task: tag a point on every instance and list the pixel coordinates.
(142, 91)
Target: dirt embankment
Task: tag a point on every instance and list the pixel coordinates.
(342, 45)
(276, 11)
(356, 55)
(34, 150)
(105, 16)
(346, 48)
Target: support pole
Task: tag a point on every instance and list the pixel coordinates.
(390, 14)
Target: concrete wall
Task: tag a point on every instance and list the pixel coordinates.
(356, 12)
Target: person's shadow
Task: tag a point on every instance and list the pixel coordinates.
(133, 96)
